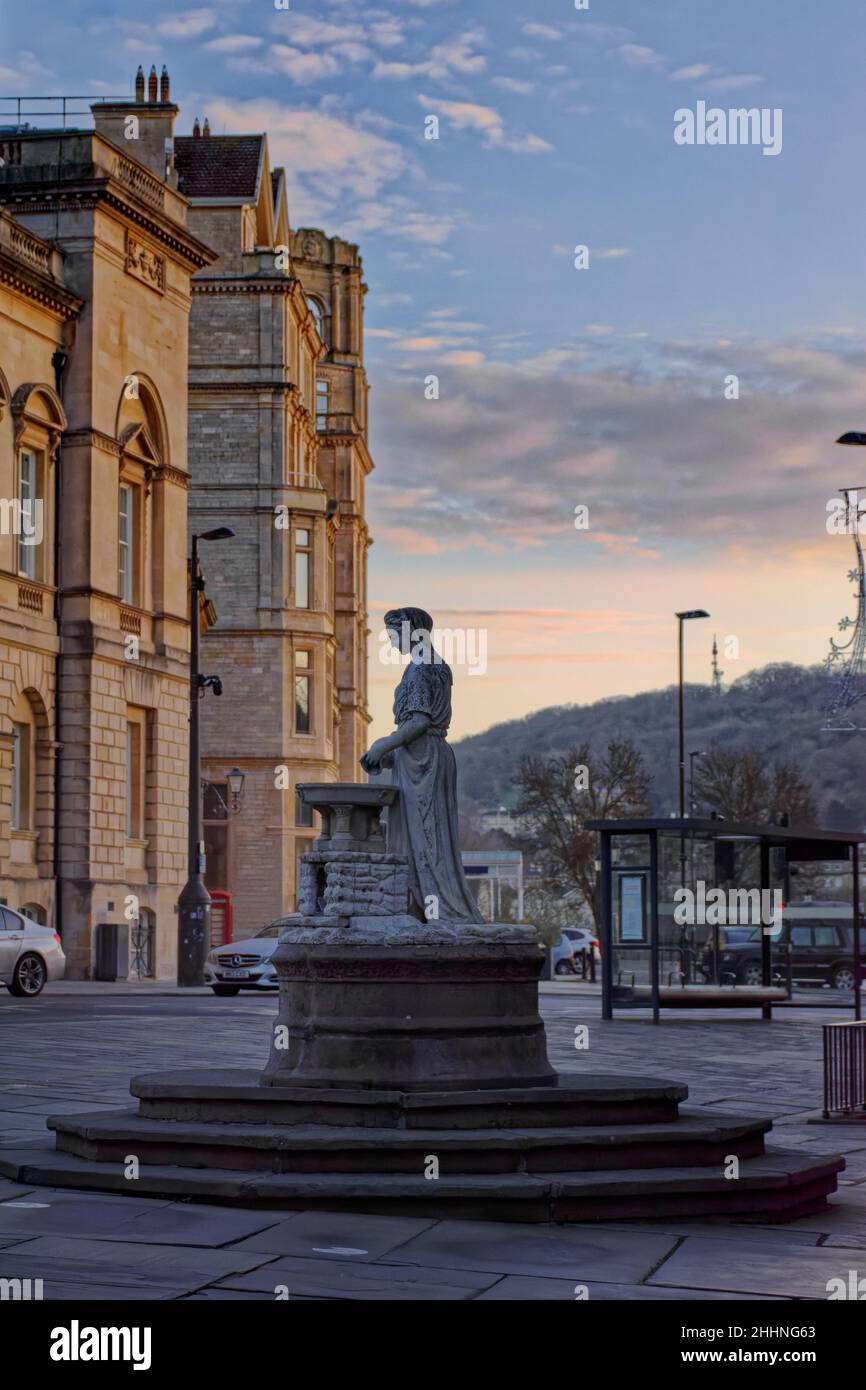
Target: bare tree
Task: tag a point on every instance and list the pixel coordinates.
(746, 787)
(559, 795)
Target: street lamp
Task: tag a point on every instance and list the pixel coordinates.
(236, 779)
(683, 618)
(235, 782)
(193, 935)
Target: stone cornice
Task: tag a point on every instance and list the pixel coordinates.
(245, 284)
(93, 439)
(38, 288)
(168, 474)
(90, 193)
(287, 387)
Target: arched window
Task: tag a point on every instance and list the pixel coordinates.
(23, 765)
(39, 421)
(141, 433)
(316, 310)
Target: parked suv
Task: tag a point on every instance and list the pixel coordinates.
(822, 952)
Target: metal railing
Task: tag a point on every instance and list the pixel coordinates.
(844, 1068)
(23, 107)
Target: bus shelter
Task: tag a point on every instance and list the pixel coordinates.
(498, 874)
(706, 913)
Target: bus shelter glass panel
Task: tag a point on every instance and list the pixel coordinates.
(713, 913)
(631, 906)
(818, 927)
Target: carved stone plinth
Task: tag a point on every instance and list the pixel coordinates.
(390, 1003)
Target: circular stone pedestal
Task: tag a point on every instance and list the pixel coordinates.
(396, 1004)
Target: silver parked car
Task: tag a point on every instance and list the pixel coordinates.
(244, 964)
(30, 954)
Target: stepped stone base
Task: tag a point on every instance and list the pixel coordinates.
(595, 1148)
(408, 1073)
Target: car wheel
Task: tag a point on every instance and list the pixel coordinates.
(751, 975)
(842, 977)
(225, 990)
(563, 968)
(28, 977)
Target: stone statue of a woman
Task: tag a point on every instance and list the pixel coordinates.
(422, 824)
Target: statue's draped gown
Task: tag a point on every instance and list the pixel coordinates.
(422, 824)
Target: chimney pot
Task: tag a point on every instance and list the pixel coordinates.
(164, 85)
(152, 85)
(139, 84)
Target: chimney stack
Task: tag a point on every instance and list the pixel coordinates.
(143, 129)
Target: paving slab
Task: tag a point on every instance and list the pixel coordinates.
(23, 1119)
(10, 1190)
(340, 1279)
(188, 1223)
(67, 1214)
(521, 1289)
(158, 1268)
(596, 1254)
(56, 1291)
(341, 1236)
(219, 1295)
(751, 1267)
(679, 1227)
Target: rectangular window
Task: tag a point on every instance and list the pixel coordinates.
(303, 812)
(302, 568)
(303, 681)
(322, 389)
(27, 550)
(20, 776)
(126, 543)
(135, 729)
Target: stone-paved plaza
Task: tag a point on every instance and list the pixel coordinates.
(75, 1047)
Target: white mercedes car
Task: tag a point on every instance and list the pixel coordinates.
(244, 964)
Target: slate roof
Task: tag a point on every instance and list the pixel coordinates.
(218, 166)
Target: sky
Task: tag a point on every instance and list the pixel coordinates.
(606, 387)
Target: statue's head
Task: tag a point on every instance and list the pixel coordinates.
(403, 622)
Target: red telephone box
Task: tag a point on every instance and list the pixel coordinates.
(221, 918)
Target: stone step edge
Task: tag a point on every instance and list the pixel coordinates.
(129, 1125)
(779, 1171)
(236, 1084)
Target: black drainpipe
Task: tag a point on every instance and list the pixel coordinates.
(58, 362)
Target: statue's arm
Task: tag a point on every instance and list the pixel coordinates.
(412, 728)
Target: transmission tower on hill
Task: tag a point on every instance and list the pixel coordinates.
(846, 663)
(717, 674)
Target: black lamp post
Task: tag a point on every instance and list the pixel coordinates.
(193, 935)
(856, 437)
(695, 753)
(681, 619)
